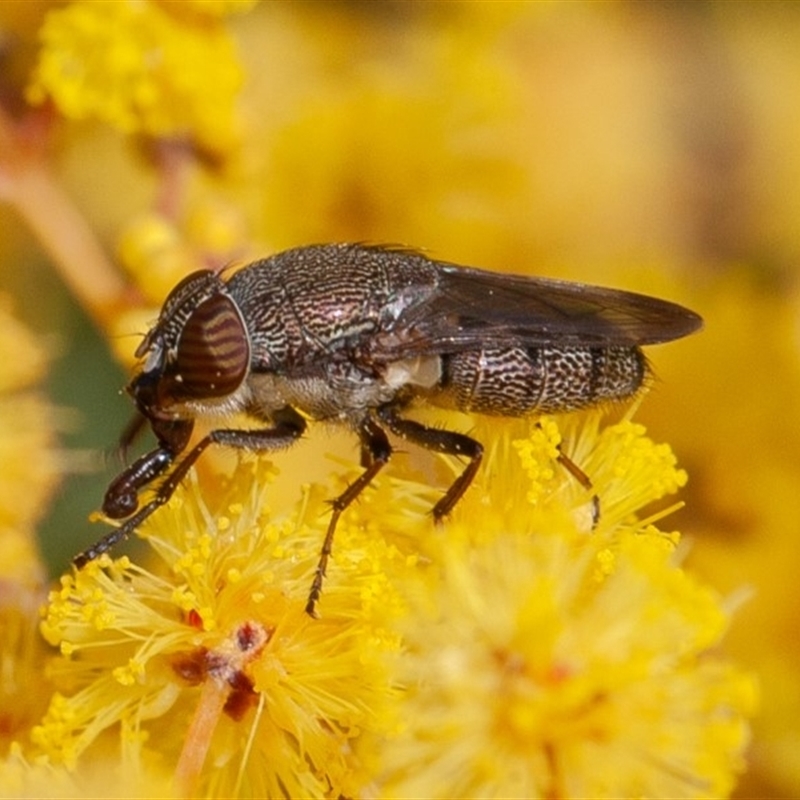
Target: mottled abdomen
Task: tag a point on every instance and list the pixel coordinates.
(517, 381)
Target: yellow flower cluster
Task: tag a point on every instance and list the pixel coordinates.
(217, 634)
(529, 647)
(550, 661)
(549, 667)
(141, 68)
(30, 467)
(516, 651)
(29, 462)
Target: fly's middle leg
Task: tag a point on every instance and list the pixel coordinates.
(375, 453)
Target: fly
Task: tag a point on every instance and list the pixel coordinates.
(353, 334)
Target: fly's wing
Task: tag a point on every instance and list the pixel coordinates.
(472, 308)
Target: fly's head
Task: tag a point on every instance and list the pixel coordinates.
(197, 355)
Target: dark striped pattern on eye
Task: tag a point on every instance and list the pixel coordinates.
(213, 351)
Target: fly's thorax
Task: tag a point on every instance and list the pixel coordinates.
(261, 299)
(307, 304)
(517, 381)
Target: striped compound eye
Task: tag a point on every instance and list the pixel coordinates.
(213, 352)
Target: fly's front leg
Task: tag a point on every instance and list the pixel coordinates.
(449, 442)
(122, 499)
(288, 427)
(122, 496)
(375, 452)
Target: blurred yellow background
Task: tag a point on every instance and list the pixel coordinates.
(648, 146)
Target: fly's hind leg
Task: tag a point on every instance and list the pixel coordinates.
(583, 479)
(375, 453)
(442, 441)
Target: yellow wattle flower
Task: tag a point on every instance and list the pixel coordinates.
(31, 466)
(141, 69)
(545, 657)
(517, 650)
(30, 462)
(209, 657)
